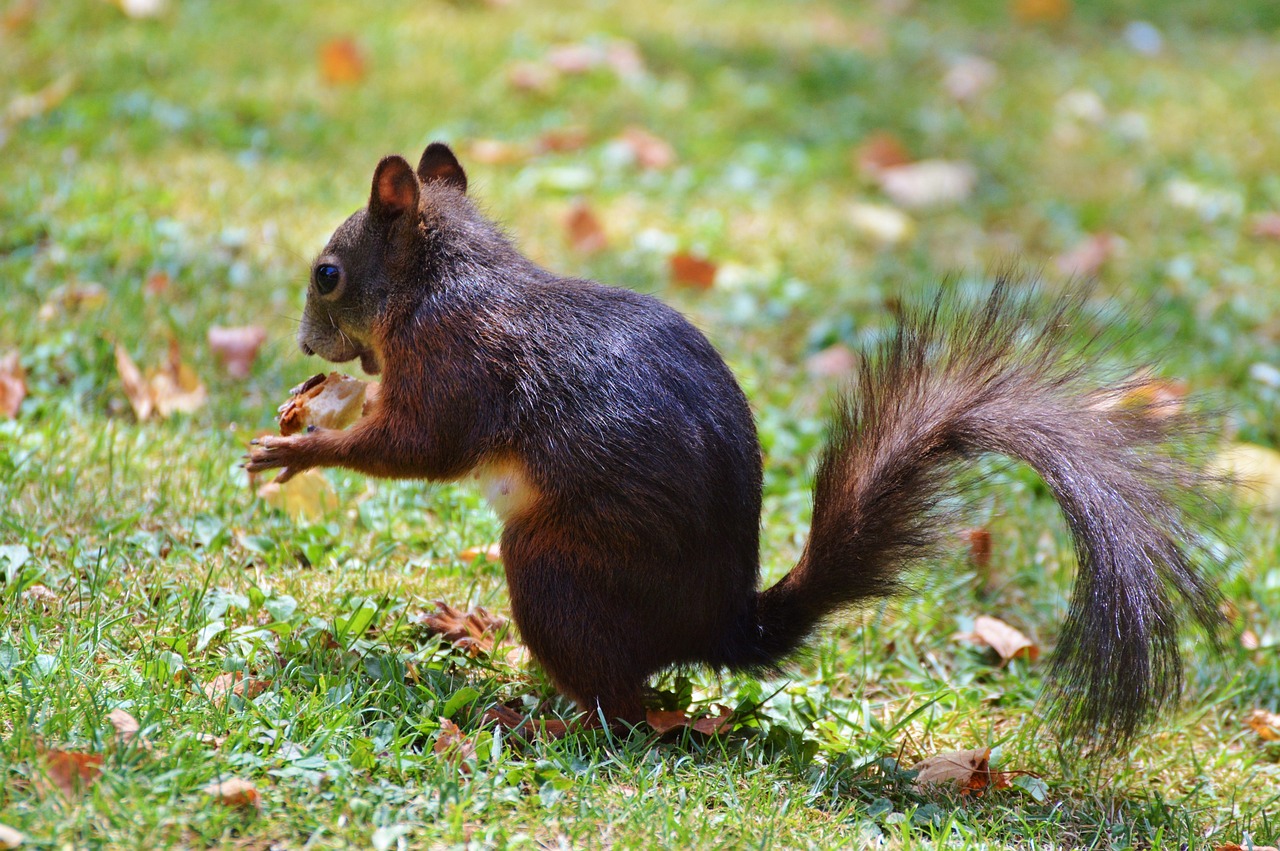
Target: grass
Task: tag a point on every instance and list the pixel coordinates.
(204, 144)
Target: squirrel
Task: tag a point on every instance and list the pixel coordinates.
(622, 457)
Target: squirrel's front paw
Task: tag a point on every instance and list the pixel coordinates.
(269, 453)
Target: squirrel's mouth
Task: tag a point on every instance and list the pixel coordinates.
(369, 362)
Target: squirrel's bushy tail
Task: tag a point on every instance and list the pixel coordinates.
(949, 387)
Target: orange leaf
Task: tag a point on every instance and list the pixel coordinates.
(341, 62)
(454, 745)
(157, 283)
(879, 151)
(586, 234)
(979, 541)
(72, 771)
(475, 631)
(693, 271)
(649, 151)
(234, 793)
(665, 720)
(1036, 11)
(13, 385)
(1265, 724)
(1235, 846)
(237, 347)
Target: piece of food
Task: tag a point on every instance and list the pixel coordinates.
(325, 401)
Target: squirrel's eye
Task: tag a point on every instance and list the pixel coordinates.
(327, 278)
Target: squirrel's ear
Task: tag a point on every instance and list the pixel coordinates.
(395, 189)
(439, 164)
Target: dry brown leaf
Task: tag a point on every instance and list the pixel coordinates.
(72, 771)
(879, 151)
(1004, 639)
(1265, 724)
(968, 771)
(1087, 257)
(234, 793)
(325, 401)
(979, 541)
(234, 682)
(166, 391)
(307, 495)
(1041, 11)
(10, 838)
(341, 62)
(563, 140)
(497, 152)
(691, 271)
(25, 107)
(454, 745)
(157, 283)
(664, 721)
(475, 631)
(536, 77)
(39, 594)
(126, 725)
(237, 348)
(835, 361)
(72, 298)
(582, 226)
(490, 552)
(928, 183)
(649, 151)
(1235, 846)
(1255, 472)
(13, 385)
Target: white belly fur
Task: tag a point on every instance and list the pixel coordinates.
(506, 487)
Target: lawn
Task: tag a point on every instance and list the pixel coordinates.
(173, 169)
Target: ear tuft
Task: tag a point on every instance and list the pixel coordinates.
(395, 189)
(439, 165)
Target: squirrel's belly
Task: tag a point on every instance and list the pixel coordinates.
(506, 487)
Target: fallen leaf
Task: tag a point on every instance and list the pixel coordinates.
(999, 636)
(586, 234)
(1235, 846)
(234, 793)
(157, 283)
(835, 361)
(886, 225)
(692, 271)
(1041, 11)
(969, 76)
(234, 682)
(325, 401)
(535, 77)
(648, 150)
(928, 183)
(10, 838)
(341, 62)
(968, 771)
(126, 725)
(490, 552)
(13, 385)
(664, 721)
(453, 744)
(475, 631)
(979, 541)
(1265, 724)
(72, 771)
(497, 152)
(173, 388)
(307, 495)
(563, 140)
(1254, 471)
(879, 151)
(39, 595)
(135, 386)
(25, 107)
(237, 348)
(71, 298)
(1087, 257)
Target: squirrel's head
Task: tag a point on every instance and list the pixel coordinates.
(370, 253)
